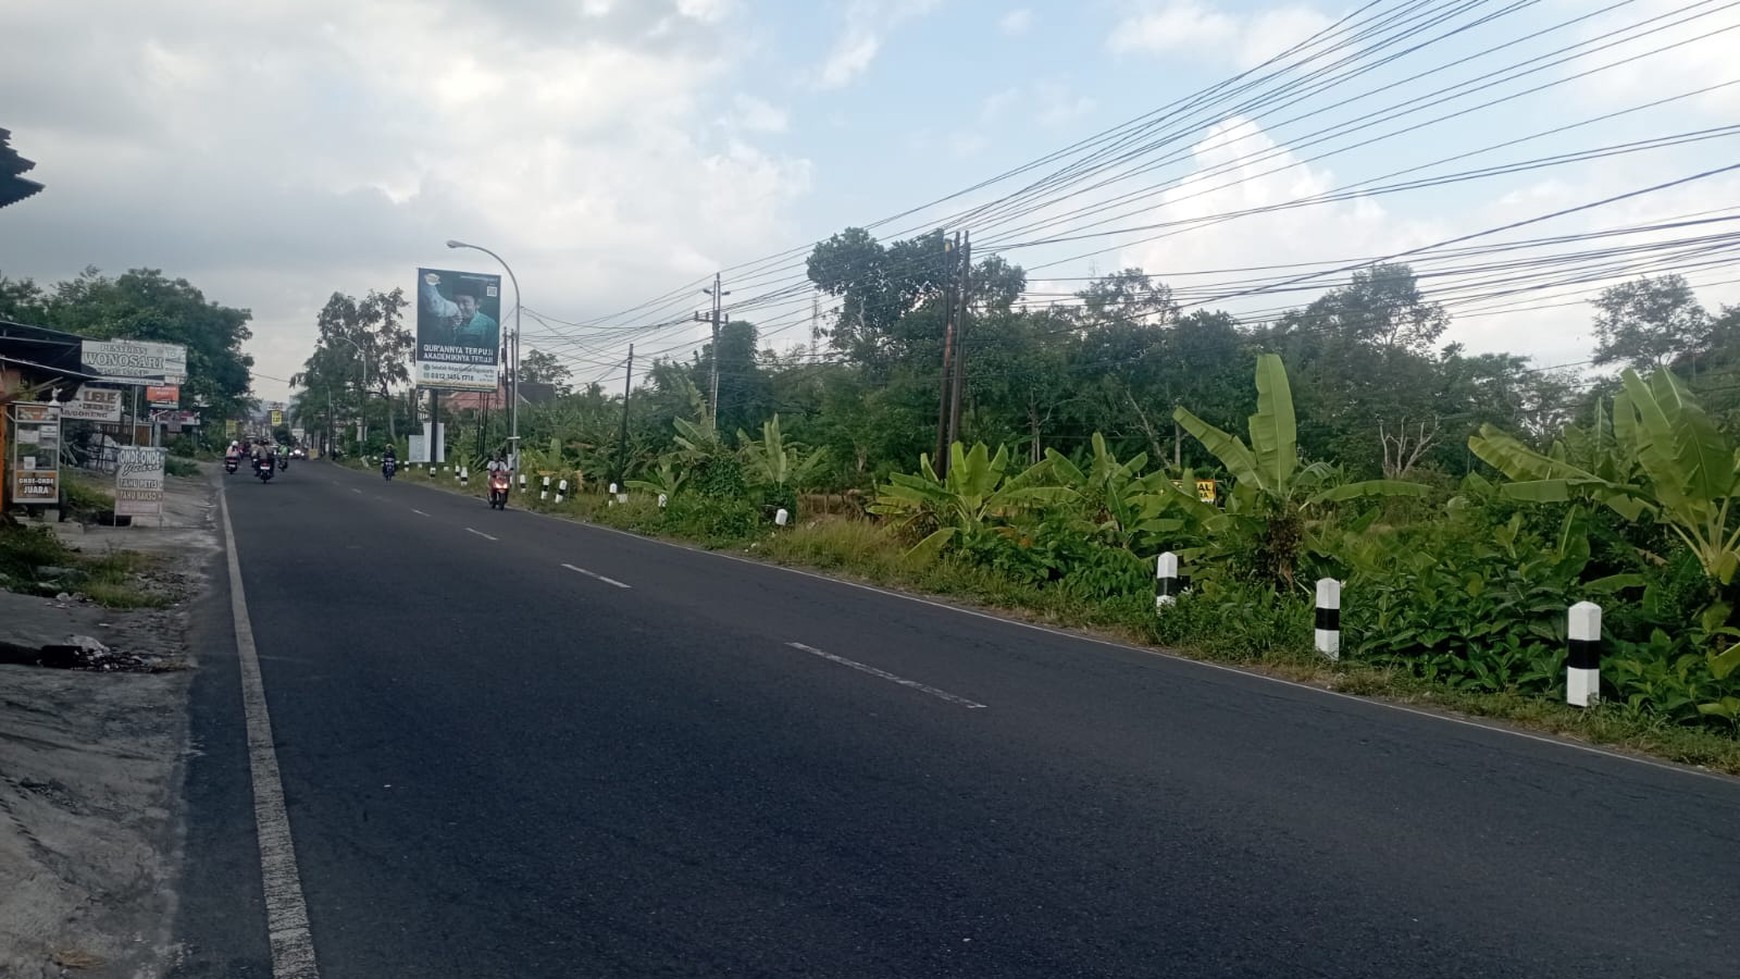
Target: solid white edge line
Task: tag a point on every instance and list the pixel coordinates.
(594, 574)
(481, 534)
(1174, 657)
(417, 511)
(885, 675)
(286, 910)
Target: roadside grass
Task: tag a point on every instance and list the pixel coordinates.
(85, 496)
(118, 579)
(1267, 634)
(114, 579)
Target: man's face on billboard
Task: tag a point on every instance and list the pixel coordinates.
(467, 307)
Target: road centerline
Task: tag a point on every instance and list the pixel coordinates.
(885, 675)
(481, 534)
(594, 574)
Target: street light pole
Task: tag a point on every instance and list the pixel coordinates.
(513, 356)
(362, 402)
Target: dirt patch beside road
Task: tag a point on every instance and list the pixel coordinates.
(90, 762)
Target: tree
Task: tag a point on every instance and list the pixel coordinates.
(145, 305)
(1649, 323)
(358, 338)
(22, 301)
(538, 367)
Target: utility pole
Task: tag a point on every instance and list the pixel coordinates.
(940, 462)
(960, 369)
(718, 295)
(622, 441)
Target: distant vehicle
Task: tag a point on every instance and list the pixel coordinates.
(299, 453)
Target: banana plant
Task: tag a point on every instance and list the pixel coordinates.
(1263, 529)
(977, 491)
(1268, 469)
(1674, 468)
(771, 462)
(1119, 499)
(666, 479)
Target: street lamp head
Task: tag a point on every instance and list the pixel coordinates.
(455, 243)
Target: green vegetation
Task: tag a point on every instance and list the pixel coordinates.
(1465, 501)
(34, 560)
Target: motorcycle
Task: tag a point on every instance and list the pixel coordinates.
(230, 465)
(389, 466)
(283, 460)
(264, 469)
(498, 489)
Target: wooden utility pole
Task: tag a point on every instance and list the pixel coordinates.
(622, 441)
(940, 461)
(960, 366)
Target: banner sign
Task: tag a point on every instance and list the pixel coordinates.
(277, 417)
(139, 481)
(458, 330)
(163, 395)
(93, 405)
(134, 361)
(36, 453)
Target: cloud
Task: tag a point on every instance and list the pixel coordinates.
(1550, 324)
(1201, 31)
(343, 154)
(754, 115)
(867, 23)
(1016, 22)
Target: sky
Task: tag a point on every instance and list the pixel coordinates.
(620, 152)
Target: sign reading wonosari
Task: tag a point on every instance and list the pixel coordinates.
(458, 329)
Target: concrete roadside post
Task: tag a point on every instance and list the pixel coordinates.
(1329, 617)
(663, 499)
(1583, 655)
(544, 493)
(464, 475)
(612, 500)
(561, 490)
(781, 517)
(1165, 580)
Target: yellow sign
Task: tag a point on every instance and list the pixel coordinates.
(1205, 490)
(231, 427)
(277, 418)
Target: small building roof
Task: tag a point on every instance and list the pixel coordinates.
(13, 186)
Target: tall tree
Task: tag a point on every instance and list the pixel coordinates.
(1648, 323)
(538, 367)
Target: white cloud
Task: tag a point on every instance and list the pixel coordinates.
(1055, 105)
(754, 115)
(867, 23)
(1553, 329)
(1200, 30)
(1016, 22)
(342, 155)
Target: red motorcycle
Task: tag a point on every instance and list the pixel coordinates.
(498, 489)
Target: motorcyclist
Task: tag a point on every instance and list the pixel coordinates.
(263, 454)
(234, 450)
(497, 464)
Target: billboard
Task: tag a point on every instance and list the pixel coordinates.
(163, 395)
(458, 329)
(93, 405)
(277, 417)
(139, 481)
(134, 361)
(35, 453)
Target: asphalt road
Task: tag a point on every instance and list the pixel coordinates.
(515, 746)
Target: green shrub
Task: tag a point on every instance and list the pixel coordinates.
(1237, 619)
(180, 467)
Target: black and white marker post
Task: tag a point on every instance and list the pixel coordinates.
(1329, 617)
(1166, 583)
(1583, 656)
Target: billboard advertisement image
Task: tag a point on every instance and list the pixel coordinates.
(458, 329)
(134, 361)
